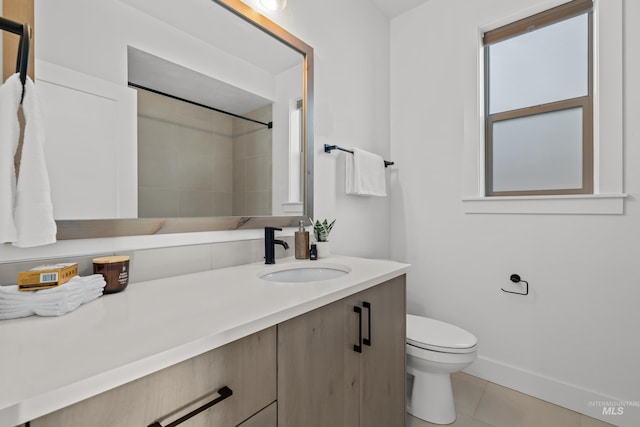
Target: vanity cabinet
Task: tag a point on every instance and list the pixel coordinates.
(247, 367)
(344, 364)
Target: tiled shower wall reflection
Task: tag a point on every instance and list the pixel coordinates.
(252, 148)
(193, 161)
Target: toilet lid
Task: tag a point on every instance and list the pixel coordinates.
(435, 335)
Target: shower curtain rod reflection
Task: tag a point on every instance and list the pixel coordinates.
(137, 86)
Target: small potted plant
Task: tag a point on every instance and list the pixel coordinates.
(321, 232)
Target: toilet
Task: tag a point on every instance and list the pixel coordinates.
(435, 349)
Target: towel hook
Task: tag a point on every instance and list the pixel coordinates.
(23, 56)
(22, 60)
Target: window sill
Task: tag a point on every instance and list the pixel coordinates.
(591, 204)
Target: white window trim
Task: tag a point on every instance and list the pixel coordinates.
(608, 197)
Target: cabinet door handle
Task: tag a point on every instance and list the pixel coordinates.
(358, 347)
(367, 341)
(224, 392)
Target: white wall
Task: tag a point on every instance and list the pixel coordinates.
(351, 42)
(574, 339)
(351, 48)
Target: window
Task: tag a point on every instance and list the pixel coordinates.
(539, 104)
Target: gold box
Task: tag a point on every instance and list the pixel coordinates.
(46, 276)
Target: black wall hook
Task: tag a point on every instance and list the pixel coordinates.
(515, 278)
(25, 33)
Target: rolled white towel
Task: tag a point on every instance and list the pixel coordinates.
(90, 296)
(50, 302)
(69, 296)
(58, 308)
(10, 295)
(15, 304)
(17, 313)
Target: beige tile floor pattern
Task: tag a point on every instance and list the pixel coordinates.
(480, 403)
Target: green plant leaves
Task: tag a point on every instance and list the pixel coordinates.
(322, 229)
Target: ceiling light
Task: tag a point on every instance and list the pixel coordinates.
(274, 4)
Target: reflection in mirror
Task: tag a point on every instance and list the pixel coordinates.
(200, 153)
(206, 147)
(201, 165)
(194, 161)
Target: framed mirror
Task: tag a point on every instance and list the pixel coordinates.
(223, 135)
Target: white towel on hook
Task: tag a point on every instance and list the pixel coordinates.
(33, 213)
(365, 174)
(10, 93)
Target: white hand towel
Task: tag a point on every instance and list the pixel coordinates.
(365, 174)
(348, 175)
(33, 214)
(10, 93)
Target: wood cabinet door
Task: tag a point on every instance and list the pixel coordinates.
(383, 362)
(318, 369)
(323, 381)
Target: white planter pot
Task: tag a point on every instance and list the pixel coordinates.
(324, 249)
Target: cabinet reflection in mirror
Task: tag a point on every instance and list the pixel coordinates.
(188, 116)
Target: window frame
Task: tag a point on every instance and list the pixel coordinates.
(539, 20)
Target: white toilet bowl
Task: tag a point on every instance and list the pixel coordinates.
(435, 349)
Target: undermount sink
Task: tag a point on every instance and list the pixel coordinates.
(305, 273)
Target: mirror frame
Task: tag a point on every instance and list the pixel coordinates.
(97, 228)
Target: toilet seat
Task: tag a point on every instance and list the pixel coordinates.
(434, 335)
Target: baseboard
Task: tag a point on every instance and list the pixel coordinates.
(570, 396)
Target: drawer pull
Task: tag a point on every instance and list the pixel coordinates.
(367, 341)
(358, 347)
(224, 392)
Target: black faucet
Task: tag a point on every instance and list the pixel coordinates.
(269, 245)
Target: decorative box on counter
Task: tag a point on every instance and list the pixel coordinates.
(47, 276)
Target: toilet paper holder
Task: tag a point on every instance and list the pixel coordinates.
(515, 278)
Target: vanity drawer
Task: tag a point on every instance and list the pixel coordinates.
(246, 366)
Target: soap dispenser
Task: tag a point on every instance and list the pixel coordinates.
(302, 242)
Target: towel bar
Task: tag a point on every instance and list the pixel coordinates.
(328, 148)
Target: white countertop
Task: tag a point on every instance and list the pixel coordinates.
(49, 363)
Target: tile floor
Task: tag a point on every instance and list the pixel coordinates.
(480, 403)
